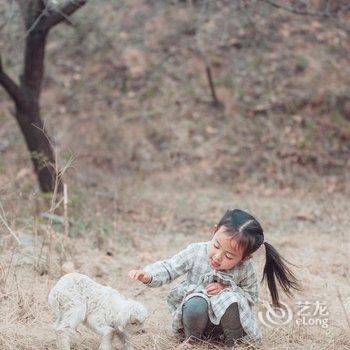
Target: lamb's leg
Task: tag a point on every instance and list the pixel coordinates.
(66, 326)
(124, 338)
(63, 339)
(107, 338)
(107, 333)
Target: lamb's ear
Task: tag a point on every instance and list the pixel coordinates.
(133, 318)
(121, 329)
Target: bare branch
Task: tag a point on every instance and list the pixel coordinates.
(298, 11)
(66, 19)
(9, 85)
(63, 13)
(36, 22)
(216, 102)
(32, 13)
(3, 219)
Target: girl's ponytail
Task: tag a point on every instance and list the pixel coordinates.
(250, 236)
(275, 266)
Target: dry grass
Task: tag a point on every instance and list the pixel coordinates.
(129, 96)
(309, 230)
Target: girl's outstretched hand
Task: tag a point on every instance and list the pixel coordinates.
(140, 275)
(215, 288)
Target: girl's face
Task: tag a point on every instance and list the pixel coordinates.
(223, 251)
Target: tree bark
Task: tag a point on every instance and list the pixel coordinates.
(41, 152)
(38, 21)
(28, 113)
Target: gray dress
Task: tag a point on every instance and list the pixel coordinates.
(242, 282)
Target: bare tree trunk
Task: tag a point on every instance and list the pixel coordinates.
(28, 113)
(38, 144)
(38, 21)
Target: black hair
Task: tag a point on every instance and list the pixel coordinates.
(250, 236)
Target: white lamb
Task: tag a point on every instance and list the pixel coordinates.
(76, 299)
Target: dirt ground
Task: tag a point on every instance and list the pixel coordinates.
(154, 218)
(155, 164)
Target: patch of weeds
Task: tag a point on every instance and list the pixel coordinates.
(99, 228)
(240, 93)
(215, 59)
(82, 31)
(56, 221)
(310, 132)
(295, 105)
(150, 93)
(139, 18)
(79, 227)
(331, 49)
(76, 200)
(159, 137)
(67, 155)
(256, 63)
(228, 82)
(44, 200)
(303, 144)
(104, 229)
(301, 64)
(231, 141)
(339, 119)
(59, 248)
(310, 125)
(190, 89)
(2, 166)
(40, 158)
(263, 44)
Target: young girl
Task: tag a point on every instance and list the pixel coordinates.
(214, 302)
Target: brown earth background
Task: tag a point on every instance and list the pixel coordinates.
(151, 164)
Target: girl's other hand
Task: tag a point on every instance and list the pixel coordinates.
(215, 288)
(140, 275)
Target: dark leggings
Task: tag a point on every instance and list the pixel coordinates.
(197, 324)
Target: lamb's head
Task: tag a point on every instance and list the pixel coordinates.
(138, 314)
